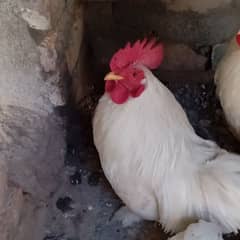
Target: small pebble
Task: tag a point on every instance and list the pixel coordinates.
(108, 204)
(90, 208)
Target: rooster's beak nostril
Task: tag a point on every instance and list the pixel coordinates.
(113, 76)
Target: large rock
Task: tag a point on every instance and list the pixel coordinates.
(33, 44)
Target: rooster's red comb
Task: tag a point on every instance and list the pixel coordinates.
(146, 52)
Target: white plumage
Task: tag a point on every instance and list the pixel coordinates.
(227, 79)
(200, 231)
(159, 167)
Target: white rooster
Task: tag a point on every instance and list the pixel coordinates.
(227, 79)
(151, 155)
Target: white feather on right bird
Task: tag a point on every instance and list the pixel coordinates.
(227, 80)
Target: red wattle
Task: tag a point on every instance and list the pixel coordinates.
(119, 94)
(109, 86)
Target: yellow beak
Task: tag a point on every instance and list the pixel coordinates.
(113, 76)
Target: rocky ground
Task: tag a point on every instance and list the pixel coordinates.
(84, 205)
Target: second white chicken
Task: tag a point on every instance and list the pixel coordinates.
(227, 80)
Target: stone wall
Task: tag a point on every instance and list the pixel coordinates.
(39, 45)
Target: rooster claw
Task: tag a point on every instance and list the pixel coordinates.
(125, 217)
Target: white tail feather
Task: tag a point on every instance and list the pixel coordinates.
(220, 186)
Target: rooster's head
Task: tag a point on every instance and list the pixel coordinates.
(125, 79)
